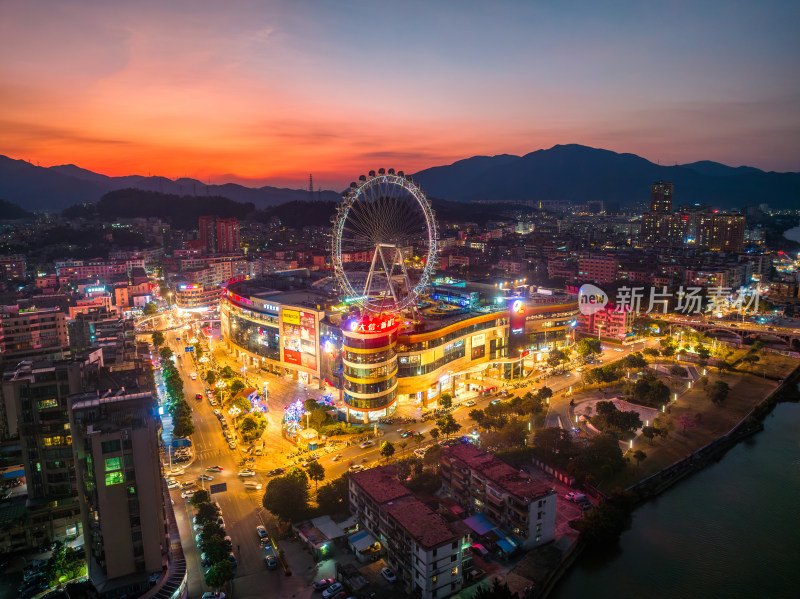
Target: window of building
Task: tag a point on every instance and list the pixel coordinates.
(112, 464)
(110, 446)
(114, 478)
(454, 571)
(48, 403)
(434, 578)
(453, 557)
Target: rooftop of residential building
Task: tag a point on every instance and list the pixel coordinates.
(503, 476)
(427, 527)
(380, 484)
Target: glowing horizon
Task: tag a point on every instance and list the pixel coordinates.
(268, 93)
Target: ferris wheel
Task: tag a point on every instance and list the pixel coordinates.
(384, 242)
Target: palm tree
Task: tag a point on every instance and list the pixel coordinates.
(418, 439)
(402, 445)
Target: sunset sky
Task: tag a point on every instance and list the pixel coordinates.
(266, 92)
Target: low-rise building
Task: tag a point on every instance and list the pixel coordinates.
(426, 554)
(481, 483)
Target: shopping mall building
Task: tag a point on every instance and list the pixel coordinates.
(465, 338)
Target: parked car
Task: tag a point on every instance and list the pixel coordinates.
(323, 584)
(355, 467)
(476, 573)
(173, 484)
(271, 562)
(276, 472)
(261, 532)
(419, 452)
(187, 494)
(470, 403)
(388, 575)
(232, 444)
(194, 376)
(479, 549)
(213, 595)
(217, 413)
(575, 496)
(258, 451)
(332, 590)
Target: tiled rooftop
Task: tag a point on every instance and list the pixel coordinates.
(426, 526)
(496, 471)
(380, 484)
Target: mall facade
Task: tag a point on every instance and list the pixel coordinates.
(377, 363)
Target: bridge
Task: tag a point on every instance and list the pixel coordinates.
(742, 333)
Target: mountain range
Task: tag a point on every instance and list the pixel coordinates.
(577, 174)
(58, 187)
(564, 173)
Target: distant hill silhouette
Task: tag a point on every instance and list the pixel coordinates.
(576, 174)
(55, 188)
(565, 173)
(181, 211)
(10, 211)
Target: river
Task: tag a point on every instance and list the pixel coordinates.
(729, 531)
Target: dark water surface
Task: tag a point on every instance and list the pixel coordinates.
(729, 531)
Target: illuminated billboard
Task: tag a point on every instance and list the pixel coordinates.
(299, 338)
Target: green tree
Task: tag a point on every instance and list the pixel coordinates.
(587, 347)
(310, 404)
(200, 497)
(544, 393)
(718, 391)
(649, 433)
(211, 378)
(252, 426)
(236, 386)
(402, 445)
(206, 512)
(651, 352)
(435, 433)
(432, 456)
(418, 439)
(446, 401)
(639, 455)
(218, 575)
(387, 450)
(64, 564)
(227, 372)
(316, 472)
(448, 425)
(679, 370)
(183, 427)
(513, 434)
(165, 353)
(149, 309)
(556, 357)
(750, 358)
(287, 496)
(479, 416)
(158, 338)
(334, 497)
(498, 590)
(242, 403)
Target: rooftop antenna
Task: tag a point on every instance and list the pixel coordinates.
(311, 187)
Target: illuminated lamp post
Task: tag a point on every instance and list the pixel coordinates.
(307, 414)
(234, 411)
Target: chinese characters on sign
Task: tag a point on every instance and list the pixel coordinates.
(689, 300)
(377, 325)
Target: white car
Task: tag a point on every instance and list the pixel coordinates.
(232, 444)
(252, 485)
(187, 494)
(388, 575)
(336, 458)
(470, 403)
(173, 484)
(247, 472)
(366, 444)
(261, 532)
(194, 376)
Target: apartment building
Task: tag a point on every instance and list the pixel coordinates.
(115, 442)
(418, 544)
(481, 483)
(32, 332)
(599, 269)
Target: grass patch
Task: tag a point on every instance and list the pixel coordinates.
(711, 423)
